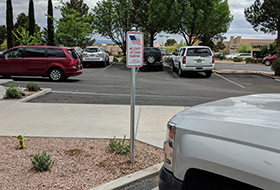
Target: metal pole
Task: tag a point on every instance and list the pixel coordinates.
(132, 114)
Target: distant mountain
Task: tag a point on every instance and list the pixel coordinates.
(104, 42)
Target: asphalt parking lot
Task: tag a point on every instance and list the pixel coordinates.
(111, 85)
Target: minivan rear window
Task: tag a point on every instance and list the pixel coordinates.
(55, 53)
(91, 50)
(199, 52)
(72, 53)
(35, 52)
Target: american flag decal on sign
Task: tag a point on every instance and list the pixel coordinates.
(135, 40)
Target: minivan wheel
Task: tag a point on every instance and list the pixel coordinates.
(56, 74)
(267, 63)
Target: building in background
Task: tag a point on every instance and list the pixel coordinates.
(234, 44)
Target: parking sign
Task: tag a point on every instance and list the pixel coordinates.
(134, 49)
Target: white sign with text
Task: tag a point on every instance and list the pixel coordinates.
(134, 49)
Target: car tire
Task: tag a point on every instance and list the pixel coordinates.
(141, 68)
(267, 62)
(105, 64)
(84, 65)
(56, 74)
(181, 72)
(208, 73)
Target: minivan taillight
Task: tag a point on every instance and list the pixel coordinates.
(184, 60)
(72, 63)
(213, 59)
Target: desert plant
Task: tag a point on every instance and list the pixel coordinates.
(32, 86)
(12, 92)
(20, 141)
(119, 147)
(42, 162)
(248, 60)
(238, 59)
(124, 59)
(275, 66)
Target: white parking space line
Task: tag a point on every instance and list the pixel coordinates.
(176, 76)
(107, 67)
(229, 80)
(277, 80)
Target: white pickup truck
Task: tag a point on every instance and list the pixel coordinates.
(230, 144)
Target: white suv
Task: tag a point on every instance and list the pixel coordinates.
(194, 58)
(230, 144)
(95, 55)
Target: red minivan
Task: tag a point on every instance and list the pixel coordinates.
(58, 63)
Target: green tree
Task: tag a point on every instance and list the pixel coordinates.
(25, 39)
(170, 42)
(3, 33)
(244, 48)
(72, 26)
(4, 45)
(140, 10)
(206, 40)
(113, 19)
(50, 35)
(271, 50)
(219, 45)
(22, 23)
(9, 23)
(265, 16)
(31, 18)
(193, 19)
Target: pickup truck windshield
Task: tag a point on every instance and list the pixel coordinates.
(203, 52)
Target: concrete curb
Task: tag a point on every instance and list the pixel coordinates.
(125, 181)
(35, 95)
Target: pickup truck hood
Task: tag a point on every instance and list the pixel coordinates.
(252, 120)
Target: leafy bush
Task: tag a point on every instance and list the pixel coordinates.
(32, 86)
(238, 59)
(115, 59)
(12, 92)
(124, 59)
(248, 59)
(275, 66)
(42, 162)
(118, 147)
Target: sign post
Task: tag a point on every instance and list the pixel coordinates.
(134, 58)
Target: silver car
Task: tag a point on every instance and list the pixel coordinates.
(93, 55)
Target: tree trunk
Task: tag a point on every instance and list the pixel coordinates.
(278, 44)
(152, 39)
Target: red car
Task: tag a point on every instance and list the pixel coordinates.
(269, 60)
(57, 63)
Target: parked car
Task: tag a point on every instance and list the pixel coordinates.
(227, 144)
(244, 55)
(93, 55)
(167, 58)
(194, 59)
(152, 58)
(230, 56)
(269, 60)
(57, 63)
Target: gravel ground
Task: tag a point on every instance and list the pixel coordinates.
(79, 163)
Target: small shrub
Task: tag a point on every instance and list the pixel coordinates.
(238, 59)
(124, 59)
(119, 147)
(248, 59)
(275, 66)
(32, 86)
(42, 162)
(115, 59)
(20, 141)
(12, 92)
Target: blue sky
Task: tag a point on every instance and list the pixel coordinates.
(239, 26)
